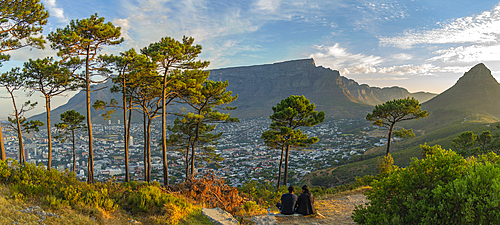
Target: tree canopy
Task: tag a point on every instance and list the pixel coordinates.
(288, 115)
(397, 110)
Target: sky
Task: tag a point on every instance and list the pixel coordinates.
(421, 45)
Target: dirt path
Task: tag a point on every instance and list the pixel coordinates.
(335, 210)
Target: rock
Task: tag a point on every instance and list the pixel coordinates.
(264, 220)
(219, 217)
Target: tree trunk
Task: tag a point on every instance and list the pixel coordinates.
(187, 162)
(49, 133)
(281, 165)
(90, 179)
(193, 146)
(19, 131)
(285, 178)
(149, 150)
(125, 131)
(127, 153)
(145, 147)
(74, 153)
(164, 130)
(3, 156)
(389, 140)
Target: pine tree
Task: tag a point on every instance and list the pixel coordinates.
(21, 21)
(288, 116)
(79, 44)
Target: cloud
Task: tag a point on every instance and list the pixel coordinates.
(402, 56)
(125, 27)
(468, 54)
(268, 5)
(55, 11)
(336, 57)
(483, 28)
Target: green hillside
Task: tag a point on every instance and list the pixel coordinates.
(472, 104)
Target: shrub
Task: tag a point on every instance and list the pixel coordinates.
(443, 188)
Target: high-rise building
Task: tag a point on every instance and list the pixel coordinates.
(131, 141)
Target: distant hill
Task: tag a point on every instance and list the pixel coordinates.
(262, 86)
(471, 104)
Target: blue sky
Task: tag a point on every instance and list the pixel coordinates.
(422, 45)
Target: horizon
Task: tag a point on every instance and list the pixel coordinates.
(420, 45)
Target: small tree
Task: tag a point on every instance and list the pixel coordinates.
(205, 103)
(128, 68)
(465, 143)
(79, 44)
(183, 134)
(170, 55)
(51, 79)
(21, 22)
(484, 139)
(288, 116)
(13, 81)
(397, 110)
(71, 122)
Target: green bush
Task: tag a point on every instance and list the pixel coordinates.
(443, 188)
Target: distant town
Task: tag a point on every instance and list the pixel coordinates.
(245, 155)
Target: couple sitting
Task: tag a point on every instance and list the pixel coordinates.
(290, 203)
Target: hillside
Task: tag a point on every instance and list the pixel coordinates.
(262, 86)
(472, 104)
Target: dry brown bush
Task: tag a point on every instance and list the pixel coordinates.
(212, 191)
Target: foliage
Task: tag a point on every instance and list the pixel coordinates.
(148, 201)
(442, 188)
(172, 57)
(21, 22)
(79, 45)
(289, 115)
(206, 102)
(264, 194)
(397, 110)
(386, 165)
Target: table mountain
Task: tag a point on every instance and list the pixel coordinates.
(262, 86)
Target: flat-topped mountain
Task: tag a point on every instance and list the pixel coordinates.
(262, 86)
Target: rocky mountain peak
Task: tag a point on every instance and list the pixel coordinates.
(478, 73)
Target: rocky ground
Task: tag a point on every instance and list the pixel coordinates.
(332, 210)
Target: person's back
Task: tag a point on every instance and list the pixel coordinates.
(305, 202)
(288, 202)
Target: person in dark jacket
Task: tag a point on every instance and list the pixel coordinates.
(288, 202)
(305, 202)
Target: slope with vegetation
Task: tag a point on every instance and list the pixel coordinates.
(470, 105)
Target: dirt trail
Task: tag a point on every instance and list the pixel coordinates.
(335, 210)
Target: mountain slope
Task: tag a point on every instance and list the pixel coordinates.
(471, 104)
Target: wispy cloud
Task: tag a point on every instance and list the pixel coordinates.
(337, 57)
(55, 11)
(468, 54)
(483, 28)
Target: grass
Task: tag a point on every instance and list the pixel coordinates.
(10, 212)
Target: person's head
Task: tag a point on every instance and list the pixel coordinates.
(305, 189)
(291, 189)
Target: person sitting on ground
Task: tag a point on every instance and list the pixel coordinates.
(305, 202)
(288, 202)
